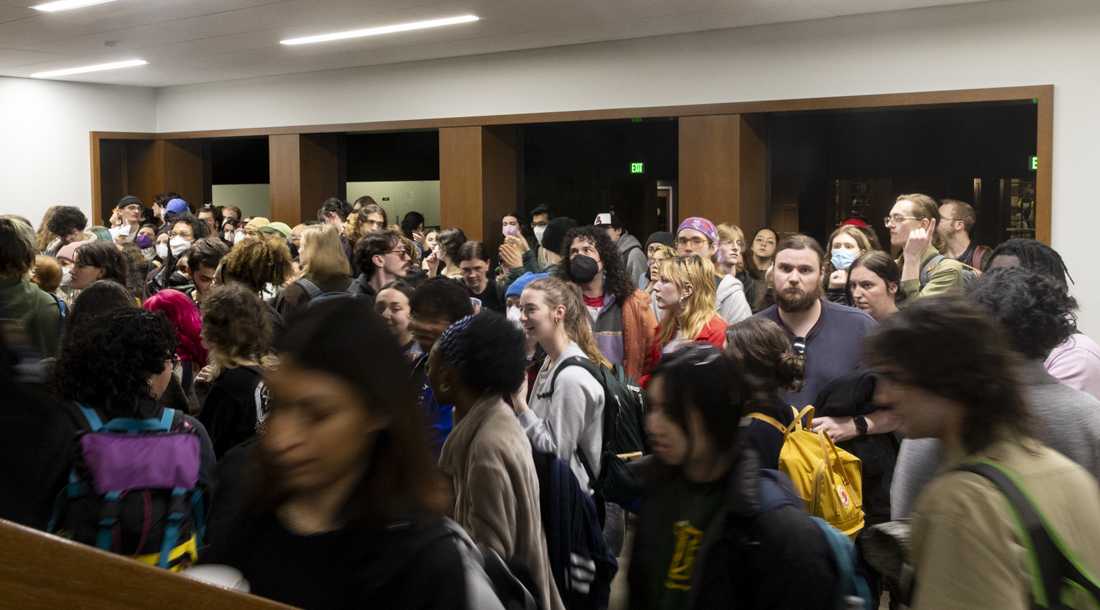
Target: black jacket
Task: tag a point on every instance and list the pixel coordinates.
(749, 558)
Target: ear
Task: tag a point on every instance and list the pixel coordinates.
(687, 290)
(559, 313)
(891, 288)
(378, 260)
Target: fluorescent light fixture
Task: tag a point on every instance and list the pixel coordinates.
(114, 65)
(67, 5)
(384, 29)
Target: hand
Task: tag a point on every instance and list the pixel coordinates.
(838, 279)
(519, 398)
(918, 242)
(116, 217)
(510, 256)
(431, 264)
(520, 243)
(837, 428)
(206, 375)
(163, 238)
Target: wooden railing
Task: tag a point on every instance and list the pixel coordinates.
(43, 572)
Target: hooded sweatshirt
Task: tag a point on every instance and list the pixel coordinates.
(569, 418)
(732, 304)
(634, 258)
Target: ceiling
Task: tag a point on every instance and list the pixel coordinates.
(193, 41)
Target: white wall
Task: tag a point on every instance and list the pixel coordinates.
(44, 141)
(402, 197)
(1013, 42)
(253, 199)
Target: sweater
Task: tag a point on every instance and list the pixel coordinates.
(966, 541)
(487, 458)
(732, 304)
(633, 255)
(1076, 363)
(1068, 421)
(567, 417)
(36, 311)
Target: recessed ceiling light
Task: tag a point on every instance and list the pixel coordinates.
(384, 29)
(67, 5)
(114, 65)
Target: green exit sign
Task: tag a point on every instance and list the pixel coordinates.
(1033, 163)
(637, 167)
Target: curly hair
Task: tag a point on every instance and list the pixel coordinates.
(236, 325)
(66, 219)
(615, 280)
(1035, 255)
(488, 353)
(100, 298)
(199, 228)
(257, 262)
(109, 366)
(1036, 312)
(764, 353)
(977, 372)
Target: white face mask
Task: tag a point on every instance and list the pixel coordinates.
(178, 245)
(149, 253)
(539, 231)
(238, 237)
(514, 315)
(66, 276)
(162, 251)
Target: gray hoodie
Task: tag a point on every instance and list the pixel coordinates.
(633, 255)
(732, 304)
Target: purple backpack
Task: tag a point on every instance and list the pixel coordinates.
(134, 489)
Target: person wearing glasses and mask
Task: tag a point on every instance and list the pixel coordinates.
(925, 271)
(325, 270)
(380, 257)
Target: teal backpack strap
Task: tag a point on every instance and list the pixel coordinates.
(198, 515)
(91, 417)
(843, 551)
(108, 519)
(161, 424)
(172, 528)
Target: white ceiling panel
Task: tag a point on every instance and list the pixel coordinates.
(191, 41)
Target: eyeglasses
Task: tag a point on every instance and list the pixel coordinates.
(945, 219)
(897, 219)
(400, 252)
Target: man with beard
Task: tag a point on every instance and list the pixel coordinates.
(827, 335)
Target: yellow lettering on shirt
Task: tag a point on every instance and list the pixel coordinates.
(680, 568)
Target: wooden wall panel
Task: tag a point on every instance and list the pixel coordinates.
(112, 179)
(43, 572)
(500, 180)
(184, 164)
(723, 169)
(478, 179)
(144, 169)
(460, 179)
(323, 171)
(284, 159)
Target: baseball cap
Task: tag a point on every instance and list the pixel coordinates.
(602, 220)
(177, 206)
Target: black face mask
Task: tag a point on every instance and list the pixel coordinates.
(582, 269)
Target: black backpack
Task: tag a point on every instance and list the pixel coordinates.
(317, 296)
(623, 431)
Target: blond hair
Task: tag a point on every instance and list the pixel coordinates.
(699, 307)
(855, 233)
(730, 232)
(322, 254)
(559, 293)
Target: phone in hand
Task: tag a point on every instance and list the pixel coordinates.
(511, 230)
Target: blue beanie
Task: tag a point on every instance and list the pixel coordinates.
(521, 282)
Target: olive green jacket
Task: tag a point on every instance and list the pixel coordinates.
(944, 278)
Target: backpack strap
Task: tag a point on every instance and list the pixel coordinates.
(90, 416)
(926, 271)
(123, 424)
(771, 421)
(313, 290)
(1050, 560)
(174, 520)
(108, 519)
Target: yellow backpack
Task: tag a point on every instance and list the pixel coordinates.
(828, 479)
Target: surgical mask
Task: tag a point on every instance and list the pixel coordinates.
(143, 241)
(842, 259)
(178, 245)
(514, 315)
(149, 253)
(238, 237)
(539, 232)
(66, 276)
(583, 269)
(162, 251)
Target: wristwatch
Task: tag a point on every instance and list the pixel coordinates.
(861, 425)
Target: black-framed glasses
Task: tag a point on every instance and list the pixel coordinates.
(897, 219)
(402, 252)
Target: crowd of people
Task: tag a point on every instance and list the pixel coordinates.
(362, 410)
